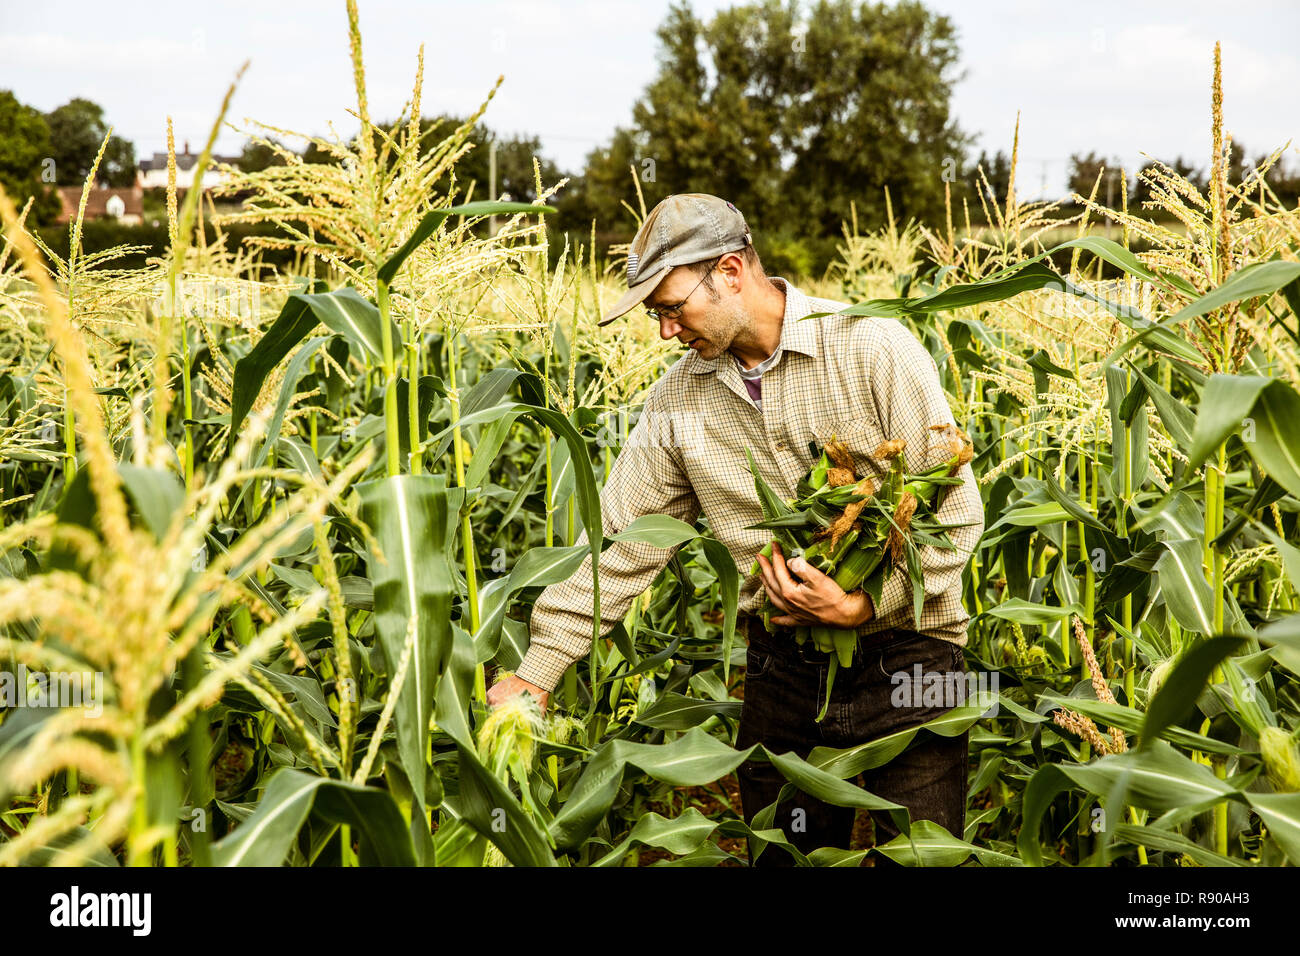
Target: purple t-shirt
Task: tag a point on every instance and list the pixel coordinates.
(753, 377)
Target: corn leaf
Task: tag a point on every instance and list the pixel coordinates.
(266, 837)
(413, 518)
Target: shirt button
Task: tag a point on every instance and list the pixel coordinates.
(780, 446)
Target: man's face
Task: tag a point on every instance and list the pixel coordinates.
(708, 323)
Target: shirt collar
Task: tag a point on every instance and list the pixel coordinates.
(796, 336)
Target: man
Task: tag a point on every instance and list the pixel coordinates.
(758, 378)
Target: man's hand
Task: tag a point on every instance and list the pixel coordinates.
(811, 597)
(503, 690)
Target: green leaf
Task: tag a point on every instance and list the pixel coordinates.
(485, 454)
(1183, 584)
(426, 395)
(1275, 447)
(931, 845)
(871, 308)
(297, 455)
(588, 498)
(662, 531)
(1071, 505)
(481, 802)
(454, 691)
(1256, 279)
(266, 837)
(834, 790)
(1225, 402)
(850, 761)
(1168, 841)
(679, 835)
(413, 517)
(1184, 685)
(293, 323)
(156, 494)
(1131, 722)
(293, 372)
(1284, 636)
(1156, 777)
(1176, 416)
(1026, 612)
(724, 566)
(536, 567)
(1260, 278)
(487, 392)
(1033, 516)
(693, 759)
(772, 505)
(1281, 814)
(355, 318)
(673, 711)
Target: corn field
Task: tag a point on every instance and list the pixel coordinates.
(289, 528)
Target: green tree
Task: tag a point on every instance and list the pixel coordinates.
(26, 168)
(1084, 172)
(255, 157)
(514, 159)
(598, 193)
(791, 117)
(1142, 190)
(77, 128)
(996, 179)
(1281, 178)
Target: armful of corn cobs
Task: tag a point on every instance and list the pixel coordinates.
(860, 532)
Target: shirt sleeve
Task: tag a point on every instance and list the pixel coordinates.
(646, 478)
(909, 399)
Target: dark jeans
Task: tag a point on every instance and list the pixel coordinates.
(783, 693)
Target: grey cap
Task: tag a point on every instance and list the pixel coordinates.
(681, 229)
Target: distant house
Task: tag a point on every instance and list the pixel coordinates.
(125, 204)
(153, 172)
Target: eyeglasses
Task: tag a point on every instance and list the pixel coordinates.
(675, 311)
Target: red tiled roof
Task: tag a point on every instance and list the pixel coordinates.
(97, 202)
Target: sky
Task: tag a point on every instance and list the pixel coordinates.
(1123, 79)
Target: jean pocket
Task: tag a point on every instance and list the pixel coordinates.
(757, 662)
(905, 653)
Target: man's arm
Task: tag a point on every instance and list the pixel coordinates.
(909, 399)
(646, 478)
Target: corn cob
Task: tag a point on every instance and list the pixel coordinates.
(844, 525)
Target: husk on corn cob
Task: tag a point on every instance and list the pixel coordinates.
(845, 525)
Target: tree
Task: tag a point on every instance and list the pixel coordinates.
(1084, 173)
(256, 157)
(996, 179)
(77, 129)
(599, 191)
(26, 169)
(514, 159)
(790, 117)
(1280, 178)
(1142, 192)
